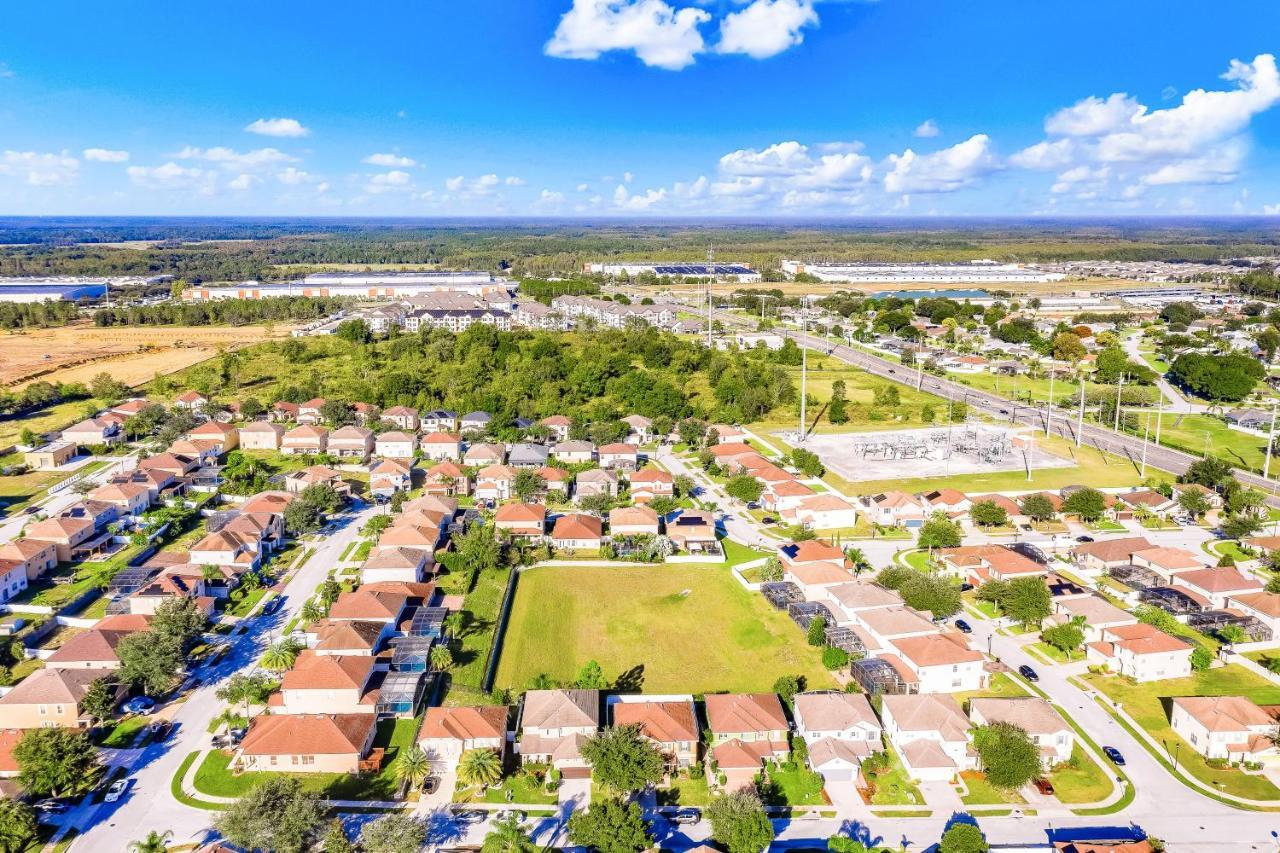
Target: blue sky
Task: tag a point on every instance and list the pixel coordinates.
(805, 108)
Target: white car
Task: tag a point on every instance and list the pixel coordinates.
(116, 791)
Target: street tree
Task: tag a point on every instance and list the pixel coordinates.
(1027, 600)
(1088, 504)
(1038, 507)
(739, 822)
(939, 532)
(56, 762)
(276, 814)
(396, 832)
(611, 826)
(744, 487)
(963, 838)
(508, 835)
(1194, 502)
(1065, 638)
(622, 760)
(1010, 758)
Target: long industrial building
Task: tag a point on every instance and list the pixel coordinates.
(975, 272)
(724, 272)
(51, 289)
(385, 285)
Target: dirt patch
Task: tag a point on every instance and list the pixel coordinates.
(132, 354)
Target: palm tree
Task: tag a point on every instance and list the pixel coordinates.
(413, 766)
(859, 559)
(312, 611)
(155, 842)
(441, 658)
(509, 836)
(481, 767)
(280, 656)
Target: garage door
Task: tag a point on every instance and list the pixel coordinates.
(838, 775)
(577, 773)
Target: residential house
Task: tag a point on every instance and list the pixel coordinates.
(388, 476)
(309, 412)
(476, 422)
(34, 555)
(91, 649)
(283, 412)
(526, 455)
(783, 495)
(521, 519)
(495, 483)
(1148, 501)
(261, 435)
(447, 478)
(726, 434)
(48, 698)
(447, 733)
(840, 730)
(619, 456)
(346, 637)
(943, 662)
(127, 498)
(226, 548)
(481, 453)
(639, 429)
(1233, 728)
(305, 439)
(595, 481)
(574, 452)
(66, 535)
(668, 722)
(192, 401)
(1142, 652)
(978, 564)
(308, 743)
(650, 483)
(370, 603)
(822, 512)
(399, 445)
(553, 726)
(896, 509)
(559, 426)
(930, 733)
(851, 599)
(1097, 614)
(1035, 716)
(1166, 561)
(49, 456)
(555, 480)
(93, 432)
(316, 475)
(1109, 553)
(403, 417)
(578, 532)
(814, 563)
(747, 730)
(1263, 606)
(693, 531)
(351, 442)
(326, 684)
(225, 436)
(1218, 585)
(950, 501)
(438, 420)
(633, 521)
(387, 563)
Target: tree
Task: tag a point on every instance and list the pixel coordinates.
(787, 686)
(1088, 504)
(744, 487)
(247, 689)
(816, 633)
(1210, 472)
(307, 512)
(1065, 638)
(1067, 346)
(99, 699)
(1010, 758)
(481, 767)
(591, 677)
(1038, 507)
(18, 828)
(149, 660)
(1028, 600)
(477, 549)
(508, 835)
(1232, 634)
(845, 844)
(623, 761)
(280, 655)
(180, 620)
(739, 822)
(807, 462)
(939, 532)
(922, 591)
(837, 411)
(527, 484)
(1201, 659)
(858, 557)
(413, 766)
(335, 840)
(441, 658)
(988, 514)
(277, 814)
(963, 838)
(611, 826)
(1194, 502)
(354, 331)
(394, 833)
(337, 413)
(1240, 526)
(57, 762)
(1228, 378)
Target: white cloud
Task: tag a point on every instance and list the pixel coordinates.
(389, 181)
(236, 161)
(6, 72)
(782, 158)
(639, 201)
(289, 128)
(105, 155)
(243, 182)
(927, 129)
(171, 176)
(1219, 165)
(480, 186)
(40, 170)
(294, 177)
(627, 177)
(322, 187)
(659, 35)
(1271, 209)
(550, 198)
(513, 181)
(582, 188)
(1045, 155)
(1094, 116)
(766, 28)
(389, 161)
(942, 171)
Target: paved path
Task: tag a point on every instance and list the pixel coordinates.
(1173, 401)
(149, 803)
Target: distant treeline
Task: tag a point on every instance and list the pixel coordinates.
(37, 395)
(272, 251)
(544, 291)
(230, 312)
(36, 315)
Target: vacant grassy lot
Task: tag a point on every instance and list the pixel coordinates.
(1190, 433)
(1150, 704)
(680, 629)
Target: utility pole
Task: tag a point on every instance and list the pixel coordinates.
(1145, 435)
(1271, 437)
(1048, 412)
(804, 376)
(711, 257)
(1080, 417)
(1119, 388)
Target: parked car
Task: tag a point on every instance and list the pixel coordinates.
(1044, 786)
(161, 730)
(686, 816)
(430, 785)
(1114, 754)
(753, 504)
(272, 606)
(238, 734)
(963, 627)
(51, 806)
(1028, 673)
(966, 587)
(464, 815)
(505, 814)
(1084, 538)
(138, 705)
(116, 791)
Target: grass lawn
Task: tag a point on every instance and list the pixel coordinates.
(122, 733)
(680, 629)
(20, 490)
(893, 787)
(918, 560)
(1148, 704)
(983, 793)
(1103, 525)
(1098, 469)
(1001, 686)
(241, 602)
(736, 554)
(793, 784)
(1230, 548)
(1054, 654)
(1022, 388)
(216, 778)
(1081, 780)
(860, 390)
(50, 418)
(1188, 432)
(480, 611)
(685, 790)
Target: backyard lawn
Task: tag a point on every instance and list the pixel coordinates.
(480, 614)
(675, 629)
(1148, 704)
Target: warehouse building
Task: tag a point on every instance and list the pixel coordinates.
(974, 272)
(388, 285)
(741, 273)
(50, 289)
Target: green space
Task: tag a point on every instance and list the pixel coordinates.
(1092, 466)
(1229, 548)
(892, 786)
(48, 419)
(241, 601)
(215, 777)
(983, 793)
(526, 786)
(1080, 780)
(66, 583)
(918, 560)
(686, 790)
(675, 629)
(121, 733)
(792, 783)
(480, 606)
(1193, 433)
(1000, 686)
(864, 414)
(17, 491)
(1024, 388)
(1148, 703)
(1104, 525)
(362, 551)
(1054, 654)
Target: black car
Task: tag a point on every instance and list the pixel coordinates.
(963, 627)
(1114, 754)
(965, 587)
(1084, 538)
(1028, 673)
(272, 606)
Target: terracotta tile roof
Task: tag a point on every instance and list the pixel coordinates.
(328, 672)
(630, 516)
(742, 755)
(1224, 579)
(1114, 550)
(467, 723)
(1266, 603)
(896, 621)
(521, 512)
(368, 604)
(651, 475)
(935, 650)
(263, 426)
(127, 622)
(347, 634)
(56, 529)
(577, 526)
(308, 734)
(811, 550)
(350, 432)
(1142, 639)
(666, 722)
(273, 502)
(1170, 559)
(1224, 713)
(24, 549)
(432, 438)
(619, 449)
(731, 713)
